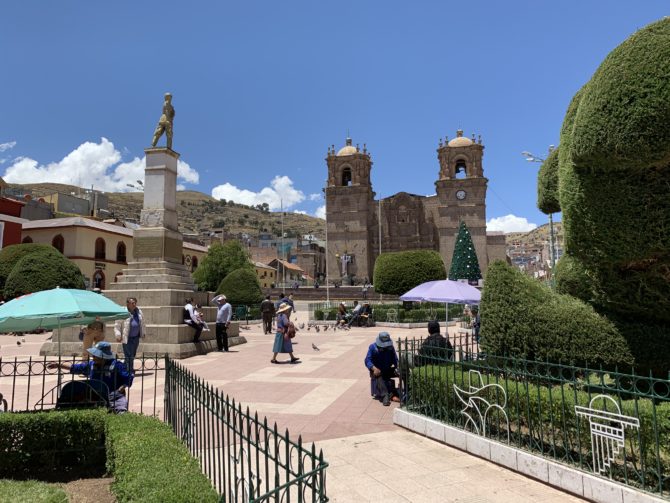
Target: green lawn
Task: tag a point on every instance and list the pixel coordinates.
(12, 491)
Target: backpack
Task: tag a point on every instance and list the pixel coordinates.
(290, 330)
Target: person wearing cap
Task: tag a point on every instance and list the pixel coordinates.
(382, 362)
(106, 368)
(282, 342)
(129, 331)
(224, 313)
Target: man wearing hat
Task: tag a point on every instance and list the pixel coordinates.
(224, 314)
(382, 362)
(103, 367)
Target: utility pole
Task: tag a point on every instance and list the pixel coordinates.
(325, 199)
(283, 265)
(380, 233)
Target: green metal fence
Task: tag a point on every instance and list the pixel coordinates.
(245, 458)
(613, 424)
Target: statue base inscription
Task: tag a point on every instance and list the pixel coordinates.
(157, 244)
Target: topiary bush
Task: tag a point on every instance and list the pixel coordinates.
(572, 279)
(241, 287)
(220, 261)
(42, 269)
(149, 463)
(10, 255)
(525, 319)
(396, 273)
(547, 185)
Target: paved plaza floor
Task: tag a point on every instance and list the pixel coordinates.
(326, 399)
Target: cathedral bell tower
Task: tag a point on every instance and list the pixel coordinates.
(461, 191)
(349, 202)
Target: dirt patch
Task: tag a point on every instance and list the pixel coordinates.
(90, 490)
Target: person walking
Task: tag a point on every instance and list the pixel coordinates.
(282, 342)
(224, 314)
(267, 312)
(129, 331)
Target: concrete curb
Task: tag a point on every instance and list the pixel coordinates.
(554, 474)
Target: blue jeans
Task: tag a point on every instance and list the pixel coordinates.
(129, 352)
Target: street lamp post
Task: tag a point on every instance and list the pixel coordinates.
(530, 157)
(325, 204)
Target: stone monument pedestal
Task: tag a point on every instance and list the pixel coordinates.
(157, 277)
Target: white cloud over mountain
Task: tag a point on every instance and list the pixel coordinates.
(281, 190)
(90, 164)
(510, 223)
(320, 212)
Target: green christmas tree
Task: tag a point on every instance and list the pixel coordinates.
(464, 263)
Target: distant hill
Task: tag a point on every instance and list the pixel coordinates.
(536, 236)
(199, 213)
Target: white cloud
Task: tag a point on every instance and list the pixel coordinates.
(96, 164)
(510, 223)
(300, 212)
(320, 212)
(281, 190)
(7, 146)
(315, 197)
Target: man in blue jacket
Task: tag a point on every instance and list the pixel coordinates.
(382, 362)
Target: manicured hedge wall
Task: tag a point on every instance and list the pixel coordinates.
(42, 270)
(52, 444)
(150, 464)
(241, 287)
(523, 318)
(572, 279)
(396, 273)
(10, 255)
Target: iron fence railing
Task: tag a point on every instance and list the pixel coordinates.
(29, 384)
(606, 422)
(245, 458)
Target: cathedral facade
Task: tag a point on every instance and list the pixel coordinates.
(360, 227)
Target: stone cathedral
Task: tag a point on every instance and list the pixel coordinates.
(408, 221)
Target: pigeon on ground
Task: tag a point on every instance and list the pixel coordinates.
(315, 348)
(23, 339)
(302, 325)
(317, 328)
(18, 343)
(308, 327)
(325, 327)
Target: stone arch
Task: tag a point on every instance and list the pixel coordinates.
(58, 242)
(99, 279)
(347, 176)
(27, 239)
(100, 249)
(120, 251)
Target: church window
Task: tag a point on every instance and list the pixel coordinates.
(460, 170)
(59, 243)
(346, 177)
(27, 239)
(100, 253)
(120, 252)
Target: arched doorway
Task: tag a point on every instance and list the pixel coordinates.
(58, 242)
(99, 279)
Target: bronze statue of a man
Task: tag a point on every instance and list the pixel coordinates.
(165, 122)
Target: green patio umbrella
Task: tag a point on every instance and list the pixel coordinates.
(60, 307)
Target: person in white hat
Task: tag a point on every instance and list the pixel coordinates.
(282, 342)
(224, 313)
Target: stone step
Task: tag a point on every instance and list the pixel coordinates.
(158, 285)
(185, 350)
(154, 277)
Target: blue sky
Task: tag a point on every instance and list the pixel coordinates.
(261, 89)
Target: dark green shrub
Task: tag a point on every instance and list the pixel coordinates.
(52, 444)
(149, 463)
(10, 255)
(522, 318)
(318, 314)
(396, 273)
(42, 270)
(613, 178)
(572, 279)
(241, 287)
(547, 185)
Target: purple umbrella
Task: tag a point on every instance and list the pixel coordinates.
(450, 292)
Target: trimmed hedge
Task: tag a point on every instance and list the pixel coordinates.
(42, 270)
(543, 415)
(525, 319)
(10, 255)
(547, 185)
(241, 287)
(52, 444)
(149, 463)
(572, 279)
(396, 273)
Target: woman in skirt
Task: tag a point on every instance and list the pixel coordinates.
(282, 340)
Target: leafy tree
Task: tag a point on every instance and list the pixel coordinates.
(10, 255)
(42, 270)
(241, 287)
(396, 273)
(464, 264)
(220, 261)
(547, 185)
